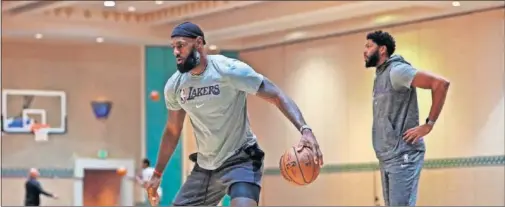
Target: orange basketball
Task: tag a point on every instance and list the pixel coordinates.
(155, 96)
(121, 171)
(299, 167)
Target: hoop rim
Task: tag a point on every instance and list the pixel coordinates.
(36, 127)
(40, 131)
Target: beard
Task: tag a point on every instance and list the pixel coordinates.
(372, 60)
(191, 61)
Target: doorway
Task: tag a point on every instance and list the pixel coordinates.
(101, 188)
(104, 187)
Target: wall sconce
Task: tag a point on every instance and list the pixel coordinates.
(101, 108)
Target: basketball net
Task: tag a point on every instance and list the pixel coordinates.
(40, 131)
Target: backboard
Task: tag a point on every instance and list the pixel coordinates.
(22, 108)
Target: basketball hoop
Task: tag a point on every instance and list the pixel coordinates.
(40, 131)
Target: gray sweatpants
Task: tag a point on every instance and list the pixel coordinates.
(400, 178)
(208, 187)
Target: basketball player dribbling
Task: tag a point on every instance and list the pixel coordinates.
(212, 90)
(396, 134)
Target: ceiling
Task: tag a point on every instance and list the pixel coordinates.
(227, 24)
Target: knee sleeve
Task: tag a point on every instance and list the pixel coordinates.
(245, 190)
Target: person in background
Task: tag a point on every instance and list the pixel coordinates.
(397, 135)
(145, 175)
(33, 189)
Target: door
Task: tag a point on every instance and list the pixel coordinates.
(101, 188)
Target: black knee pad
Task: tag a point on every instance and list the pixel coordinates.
(245, 190)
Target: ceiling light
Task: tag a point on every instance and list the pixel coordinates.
(109, 3)
(456, 3)
(158, 2)
(131, 9)
(385, 19)
(99, 39)
(38, 36)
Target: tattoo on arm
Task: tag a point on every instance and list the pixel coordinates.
(170, 138)
(273, 94)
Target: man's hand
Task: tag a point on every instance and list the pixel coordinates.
(152, 190)
(413, 135)
(273, 94)
(309, 140)
(55, 196)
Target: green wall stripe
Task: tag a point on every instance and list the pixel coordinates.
(44, 172)
(160, 64)
(461, 162)
(444, 163)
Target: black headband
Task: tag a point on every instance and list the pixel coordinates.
(188, 29)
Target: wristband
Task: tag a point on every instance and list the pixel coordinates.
(430, 122)
(157, 173)
(305, 127)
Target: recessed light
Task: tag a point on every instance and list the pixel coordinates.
(385, 19)
(38, 36)
(295, 35)
(109, 3)
(131, 9)
(158, 2)
(456, 3)
(99, 39)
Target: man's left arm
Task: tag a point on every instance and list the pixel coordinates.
(38, 186)
(406, 76)
(244, 78)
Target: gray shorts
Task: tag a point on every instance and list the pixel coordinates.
(400, 178)
(208, 187)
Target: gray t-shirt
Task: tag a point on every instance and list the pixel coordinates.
(395, 109)
(402, 76)
(216, 104)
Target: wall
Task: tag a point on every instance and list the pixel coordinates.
(328, 81)
(84, 72)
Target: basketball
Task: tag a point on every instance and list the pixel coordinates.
(155, 96)
(298, 167)
(121, 171)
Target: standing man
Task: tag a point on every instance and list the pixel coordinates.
(33, 189)
(212, 90)
(145, 175)
(396, 133)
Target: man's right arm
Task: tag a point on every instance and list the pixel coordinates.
(170, 138)
(138, 178)
(173, 128)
